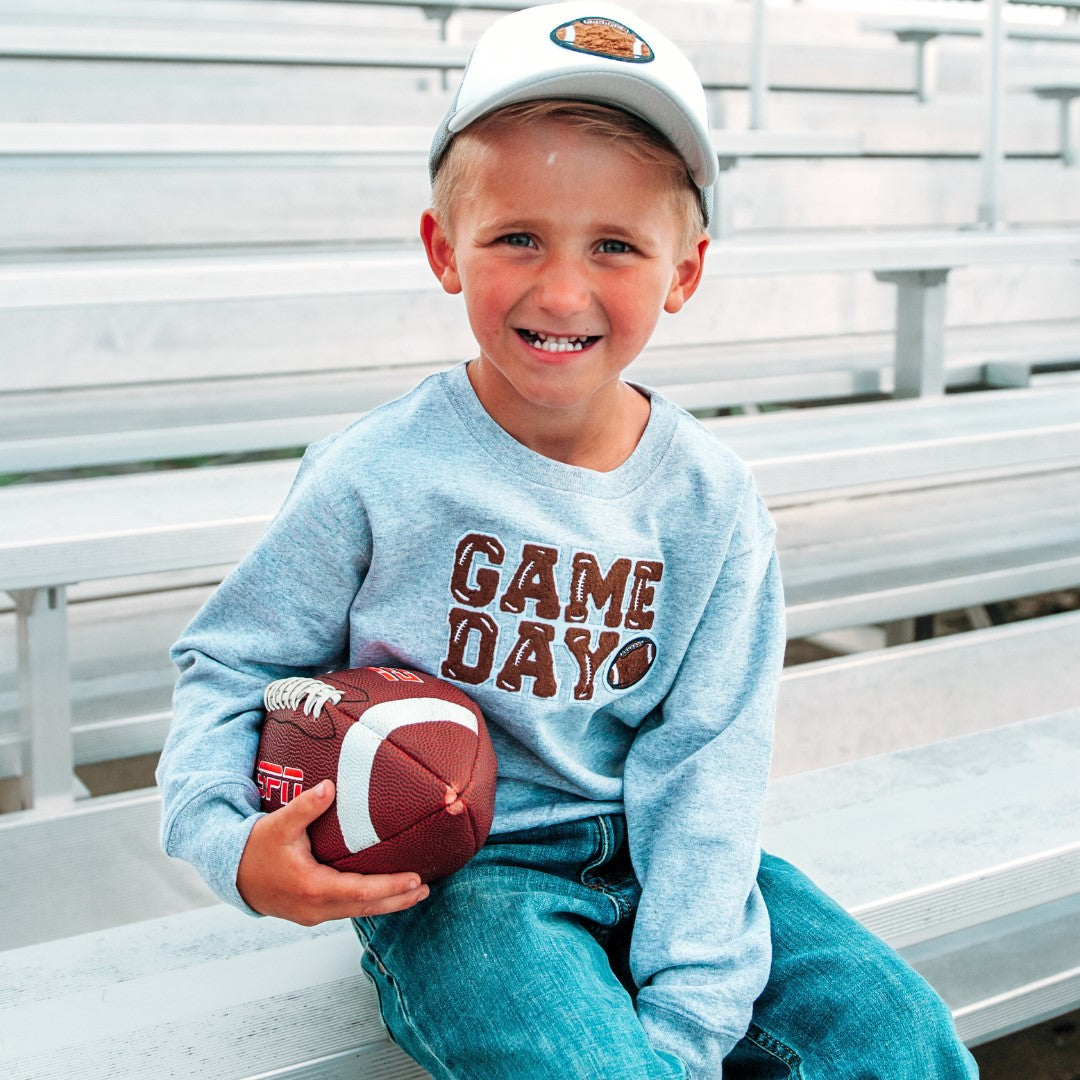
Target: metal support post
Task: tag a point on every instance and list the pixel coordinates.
(442, 16)
(926, 65)
(48, 775)
(758, 73)
(1065, 140)
(919, 358)
(722, 223)
(991, 204)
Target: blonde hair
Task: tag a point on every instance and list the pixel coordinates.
(638, 139)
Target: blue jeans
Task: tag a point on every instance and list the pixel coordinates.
(516, 967)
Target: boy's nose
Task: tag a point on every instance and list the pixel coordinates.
(562, 288)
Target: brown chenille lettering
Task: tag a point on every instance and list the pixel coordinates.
(579, 641)
(485, 583)
(470, 629)
(587, 582)
(534, 579)
(530, 656)
(642, 594)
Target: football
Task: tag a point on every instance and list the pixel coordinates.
(631, 663)
(410, 757)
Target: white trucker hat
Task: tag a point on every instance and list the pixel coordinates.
(584, 51)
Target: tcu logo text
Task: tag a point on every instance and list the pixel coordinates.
(278, 782)
(396, 674)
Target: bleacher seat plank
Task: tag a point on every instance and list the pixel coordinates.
(948, 125)
(720, 64)
(172, 993)
(860, 705)
(99, 864)
(916, 28)
(182, 45)
(144, 523)
(906, 553)
(76, 530)
(36, 283)
(114, 871)
(914, 837)
(138, 418)
(126, 424)
(918, 263)
(177, 185)
(996, 975)
(885, 442)
(368, 141)
(212, 992)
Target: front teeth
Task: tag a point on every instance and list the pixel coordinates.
(556, 344)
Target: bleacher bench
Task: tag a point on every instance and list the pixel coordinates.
(286, 156)
(721, 64)
(959, 852)
(1064, 92)
(62, 413)
(924, 550)
(923, 31)
(114, 872)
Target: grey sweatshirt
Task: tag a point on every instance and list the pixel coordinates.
(622, 633)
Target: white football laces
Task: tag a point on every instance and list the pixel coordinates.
(290, 693)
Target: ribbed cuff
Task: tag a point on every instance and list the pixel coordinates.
(700, 1049)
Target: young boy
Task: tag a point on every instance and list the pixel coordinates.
(600, 576)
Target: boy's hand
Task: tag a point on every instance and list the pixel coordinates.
(279, 876)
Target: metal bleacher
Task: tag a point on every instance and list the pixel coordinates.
(208, 257)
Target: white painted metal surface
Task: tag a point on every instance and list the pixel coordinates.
(921, 844)
(212, 991)
(201, 46)
(883, 442)
(900, 554)
(874, 702)
(78, 530)
(26, 283)
(931, 840)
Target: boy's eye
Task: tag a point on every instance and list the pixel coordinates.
(614, 247)
(517, 239)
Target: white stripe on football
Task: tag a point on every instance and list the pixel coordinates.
(357, 757)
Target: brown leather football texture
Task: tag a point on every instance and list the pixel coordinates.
(410, 757)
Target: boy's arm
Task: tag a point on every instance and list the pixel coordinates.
(283, 611)
(694, 790)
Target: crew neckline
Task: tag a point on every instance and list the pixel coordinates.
(515, 457)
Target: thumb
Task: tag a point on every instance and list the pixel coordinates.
(300, 812)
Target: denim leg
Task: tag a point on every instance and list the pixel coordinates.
(840, 1004)
(502, 974)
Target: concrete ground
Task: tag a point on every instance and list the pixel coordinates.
(1049, 1051)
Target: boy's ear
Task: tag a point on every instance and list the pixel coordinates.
(440, 252)
(687, 276)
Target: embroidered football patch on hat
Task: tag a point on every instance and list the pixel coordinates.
(603, 37)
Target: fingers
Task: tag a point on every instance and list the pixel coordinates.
(279, 876)
(297, 814)
(338, 895)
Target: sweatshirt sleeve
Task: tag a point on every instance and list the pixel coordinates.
(283, 611)
(694, 790)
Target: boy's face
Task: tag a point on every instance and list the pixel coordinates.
(566, 250)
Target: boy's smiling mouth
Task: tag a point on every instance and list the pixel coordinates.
(557, 343)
